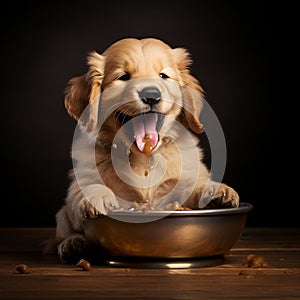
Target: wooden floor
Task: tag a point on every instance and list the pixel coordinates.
(49, 278)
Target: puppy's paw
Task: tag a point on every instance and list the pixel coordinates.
(99, 199)
(73, 248)
(215, 194)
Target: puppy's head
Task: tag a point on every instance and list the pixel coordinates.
(139, 80)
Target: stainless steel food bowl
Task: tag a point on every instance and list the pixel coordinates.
(171, 235)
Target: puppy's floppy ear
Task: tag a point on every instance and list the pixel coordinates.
(192, 92)
(84, 90)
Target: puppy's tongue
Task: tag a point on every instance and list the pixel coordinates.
(142, 125)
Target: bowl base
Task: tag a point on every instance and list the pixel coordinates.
(180, 263)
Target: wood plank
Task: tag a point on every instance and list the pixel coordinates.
(52, 279)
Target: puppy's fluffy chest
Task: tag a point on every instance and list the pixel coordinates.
(144, 165)
(139, 177)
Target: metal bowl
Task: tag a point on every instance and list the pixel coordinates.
(167, 235)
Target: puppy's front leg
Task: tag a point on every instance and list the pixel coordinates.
(212, 195)
(97, 199)
(89, 202)
(216, 194)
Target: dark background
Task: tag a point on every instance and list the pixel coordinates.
(237, 52)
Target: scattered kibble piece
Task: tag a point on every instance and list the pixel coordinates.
(148, 145)
(176, 206)
(150, 206)
(22, 269)
(255, 261)
(84, 265)
(249, 273)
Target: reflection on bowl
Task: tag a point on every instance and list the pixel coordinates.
(168, 235)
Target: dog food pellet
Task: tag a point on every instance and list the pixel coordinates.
(249, 273)
(84, 265)
(148, 145)
(150, 206)
(22, 269)
(255, 261)
(176, 206)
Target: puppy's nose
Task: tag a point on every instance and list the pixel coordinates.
(150, 95)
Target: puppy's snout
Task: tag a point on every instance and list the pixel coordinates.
(150, 95)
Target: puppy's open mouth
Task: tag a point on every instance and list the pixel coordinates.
(144, 128)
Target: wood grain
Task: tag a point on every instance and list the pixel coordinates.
(49, 278)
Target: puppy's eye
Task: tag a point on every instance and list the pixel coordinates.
(163, 75)
(124, 77)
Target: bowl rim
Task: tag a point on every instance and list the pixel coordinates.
(243, 207)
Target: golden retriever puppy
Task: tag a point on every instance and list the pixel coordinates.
(138, 111)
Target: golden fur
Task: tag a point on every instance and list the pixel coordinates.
(142, 63)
